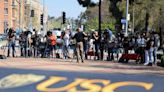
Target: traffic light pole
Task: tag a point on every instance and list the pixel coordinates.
(127, 10)
(19, 2)
(30, 23)
(44, 24)
(99, 32)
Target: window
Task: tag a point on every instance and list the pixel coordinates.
(5, 10)
(6, 1)
(13, 3)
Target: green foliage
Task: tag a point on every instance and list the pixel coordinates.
(54, 23)
(92, 24)
(114, 10)
(162, 58)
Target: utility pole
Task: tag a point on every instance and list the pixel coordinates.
(160, 28)
(30, 23)
(19, 15)
(99, 32)
(44, 24)
(127, 12)
(19, 3)
(133, 19)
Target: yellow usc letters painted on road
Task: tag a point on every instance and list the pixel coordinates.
(90, 85)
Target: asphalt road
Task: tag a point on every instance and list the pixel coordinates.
(22, 80)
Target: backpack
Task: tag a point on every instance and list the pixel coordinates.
(3, 57)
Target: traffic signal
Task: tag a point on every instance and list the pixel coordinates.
(64, 17)
(41, 19)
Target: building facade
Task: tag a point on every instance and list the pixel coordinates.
(5, 15)
(33, 10)
(17, 14)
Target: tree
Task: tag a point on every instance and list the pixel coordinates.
(146, 16)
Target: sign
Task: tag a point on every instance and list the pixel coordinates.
(123, 21)
(128, 17)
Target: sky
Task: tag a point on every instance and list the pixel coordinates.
(71, 7)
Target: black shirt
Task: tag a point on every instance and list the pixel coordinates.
(79, 37)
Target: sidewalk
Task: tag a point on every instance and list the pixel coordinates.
(71, 66)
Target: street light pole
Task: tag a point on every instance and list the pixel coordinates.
(44, 29)
(133, 19)
(30, 18)
(99, 32)
(19, 2)
(20, 15)
(127, 10)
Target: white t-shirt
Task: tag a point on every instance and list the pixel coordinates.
(66, 39)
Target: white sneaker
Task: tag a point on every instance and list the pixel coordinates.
(146, 63)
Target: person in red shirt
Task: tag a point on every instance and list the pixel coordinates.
(53, 44)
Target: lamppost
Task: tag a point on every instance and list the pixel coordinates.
(19, 2)
(99, 32)
(44, 25)
(127, 10)
(160, 27)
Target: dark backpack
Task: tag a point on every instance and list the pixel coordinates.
(2, 57)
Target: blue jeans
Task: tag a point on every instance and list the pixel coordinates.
(11, 45)
(65, 51)
(155, 54)
(97, 50)
(149, 58)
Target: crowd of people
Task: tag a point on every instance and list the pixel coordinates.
(32, 44)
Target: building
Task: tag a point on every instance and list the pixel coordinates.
(34, 8)
(17, 14)
(11, 14)
(5, 15)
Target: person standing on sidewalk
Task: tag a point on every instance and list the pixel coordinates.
(149, 53)
(79, 37)
(66, 42)
(11, 42)
(97, 44)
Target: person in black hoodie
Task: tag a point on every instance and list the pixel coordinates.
(11, 42)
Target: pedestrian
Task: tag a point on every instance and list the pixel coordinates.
(149, 53)
(25, 43)
(53, 39)
(97, 44)
(79, 37)
(156, 46)
(35, 43)
(49, 44)
(86, 43)
(65, 46)
(11, 42)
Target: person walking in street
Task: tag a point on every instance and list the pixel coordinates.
(79, 37)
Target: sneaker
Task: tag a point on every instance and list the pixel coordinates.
(150, 64)
(146, 64)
